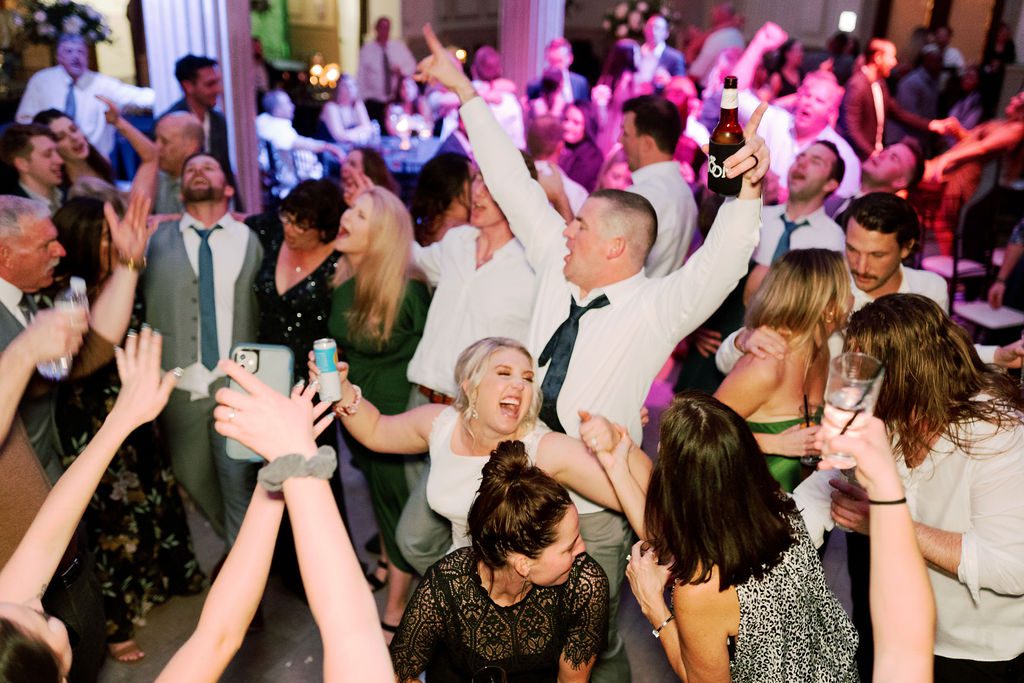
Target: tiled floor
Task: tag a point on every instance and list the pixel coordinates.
(288, 648)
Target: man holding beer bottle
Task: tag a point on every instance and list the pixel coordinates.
(621, 325)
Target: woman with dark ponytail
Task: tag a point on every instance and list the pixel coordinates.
(523, 596)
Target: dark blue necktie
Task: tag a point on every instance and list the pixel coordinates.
(558, 351)
(788, 228)
(208, 347)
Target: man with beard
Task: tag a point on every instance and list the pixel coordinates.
(199, 292)
(801, 222)
(897, 169)
(203, 86)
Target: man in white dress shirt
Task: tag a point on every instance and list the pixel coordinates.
(800, 223)
(72, 88)
(198, 289)
(957, 434)
(484, 287)
(382, 65)
(650, 131)
(621, 325)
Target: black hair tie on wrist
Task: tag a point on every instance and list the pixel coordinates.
(887, 502)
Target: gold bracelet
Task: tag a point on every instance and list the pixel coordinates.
(133, 264)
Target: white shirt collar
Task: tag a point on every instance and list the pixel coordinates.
(188, 221)
(10, 297)
(658, 168)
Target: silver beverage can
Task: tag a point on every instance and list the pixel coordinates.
(325, 351)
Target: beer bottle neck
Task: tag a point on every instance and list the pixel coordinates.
(730, 101)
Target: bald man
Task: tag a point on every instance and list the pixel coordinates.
(179, 135)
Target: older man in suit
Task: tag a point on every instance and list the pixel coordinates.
(199, 292)
(867, 103)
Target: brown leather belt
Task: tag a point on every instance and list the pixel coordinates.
(436, 396)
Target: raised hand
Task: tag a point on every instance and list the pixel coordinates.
(443, 68)
(648, 579)
(597, 433)
(762, 342)
(112, 113)
(145, 388)
(771, 36)
(130, 234)
(751, 160)
(265, 421)
(867, 440)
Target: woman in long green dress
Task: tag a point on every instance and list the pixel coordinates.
(136, 521)
(806, 297)
(378, 312)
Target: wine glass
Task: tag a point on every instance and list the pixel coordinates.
(854, 380)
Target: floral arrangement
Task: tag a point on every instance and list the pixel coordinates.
(45, 22)
(626, 19)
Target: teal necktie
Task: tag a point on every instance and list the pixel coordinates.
(788, 228)
(208, 346)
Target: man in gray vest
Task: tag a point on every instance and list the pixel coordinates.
(199, 293)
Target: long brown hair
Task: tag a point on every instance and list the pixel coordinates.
(385, 270)
(932, 374)
(712, 503)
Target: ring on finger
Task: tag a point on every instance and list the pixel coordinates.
(231, 415)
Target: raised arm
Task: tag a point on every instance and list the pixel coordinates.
(769, 37)
(144, 392)
(112, 310)
(406, 432)
(341, 603)
(902, 604)
(573, 464)
(233, 598)
(523, 201)
(688, 297)
(627, 466)
(145, 176)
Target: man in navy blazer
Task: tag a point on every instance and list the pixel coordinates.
(657, 62)
(575, 87)
(201, 82)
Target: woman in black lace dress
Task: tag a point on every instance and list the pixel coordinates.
(524, 597)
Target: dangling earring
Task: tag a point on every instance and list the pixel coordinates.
(472, 411)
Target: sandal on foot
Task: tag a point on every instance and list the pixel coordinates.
(126, 652)
(377, 583)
